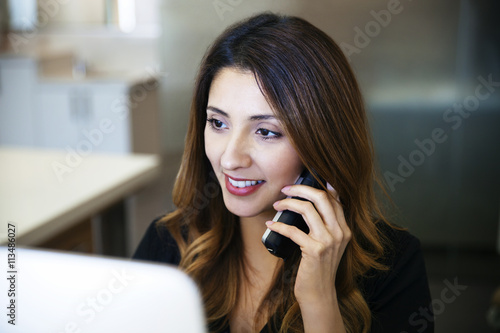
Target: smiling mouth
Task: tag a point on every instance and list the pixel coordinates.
(244, 183)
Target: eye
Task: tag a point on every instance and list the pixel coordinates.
(216, 124)
(267, 134)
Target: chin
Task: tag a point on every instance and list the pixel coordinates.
(246, 210)
(243, 212)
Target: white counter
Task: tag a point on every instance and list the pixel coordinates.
(42, 203)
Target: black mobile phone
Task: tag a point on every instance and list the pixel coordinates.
(280, 245)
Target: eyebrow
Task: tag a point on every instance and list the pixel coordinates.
(253, 118)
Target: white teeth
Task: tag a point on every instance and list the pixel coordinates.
(243, 183)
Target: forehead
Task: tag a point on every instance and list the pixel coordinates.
(237, 91)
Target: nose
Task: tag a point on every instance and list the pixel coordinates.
(236, 154)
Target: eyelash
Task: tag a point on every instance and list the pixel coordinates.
(276, 135)
(211, 121)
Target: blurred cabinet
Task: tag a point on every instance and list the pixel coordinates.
(78, 238)
(17, 85)
(82, 117)
(96, 114)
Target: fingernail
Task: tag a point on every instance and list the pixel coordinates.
(276, 202)
(286, 188)
(268, 223)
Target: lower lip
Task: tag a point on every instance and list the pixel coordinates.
(241, 191)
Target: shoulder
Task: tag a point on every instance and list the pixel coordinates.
(158, 245)
(397, 294)
(401, 247)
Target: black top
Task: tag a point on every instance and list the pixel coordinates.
(399, 298)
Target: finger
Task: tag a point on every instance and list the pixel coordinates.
(309, 246)
(309, 213)
(319, 231)
(295, 234)
(339, 211)
(323, 202)
(329, 208)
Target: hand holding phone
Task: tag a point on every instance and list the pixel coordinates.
(278, 244)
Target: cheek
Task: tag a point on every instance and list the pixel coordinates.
(214, 148)
(209, 148)
(286, 165)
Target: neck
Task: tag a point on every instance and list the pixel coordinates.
(258, 273)
(259, 260)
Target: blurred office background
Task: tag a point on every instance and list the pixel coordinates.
(429, 70)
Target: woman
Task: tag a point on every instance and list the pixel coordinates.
(275, 95)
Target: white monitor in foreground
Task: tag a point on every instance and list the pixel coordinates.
(46, 291)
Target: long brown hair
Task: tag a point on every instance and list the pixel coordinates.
(309, 84)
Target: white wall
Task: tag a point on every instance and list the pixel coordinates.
(189, 26)
(74, 12)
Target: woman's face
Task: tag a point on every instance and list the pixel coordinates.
(246, 145)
